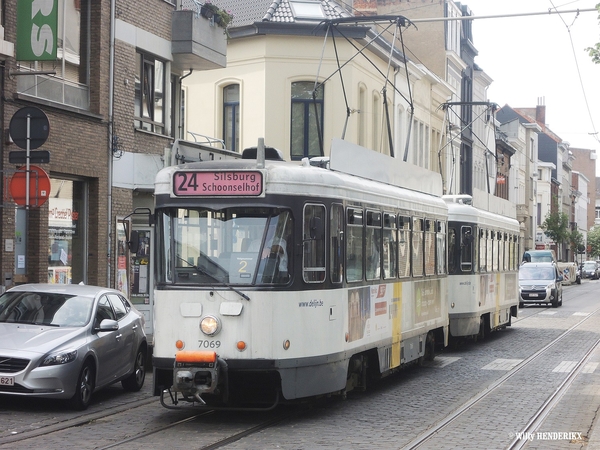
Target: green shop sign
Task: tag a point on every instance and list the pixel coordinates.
(37, 27)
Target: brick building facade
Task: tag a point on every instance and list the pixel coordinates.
(112, 96)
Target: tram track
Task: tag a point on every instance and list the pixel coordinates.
(27, 439)
(542, 412)
(217, 431)
(219, 443)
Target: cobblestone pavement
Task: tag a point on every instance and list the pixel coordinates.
(387, 416)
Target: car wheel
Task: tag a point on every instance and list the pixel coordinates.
(84, 388)
(135, 381)
(555, 302)
(521, 304)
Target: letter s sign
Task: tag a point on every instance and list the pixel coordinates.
(37, 28)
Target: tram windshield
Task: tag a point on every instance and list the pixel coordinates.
(233, 246)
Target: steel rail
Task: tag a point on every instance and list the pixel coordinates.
(429, 433)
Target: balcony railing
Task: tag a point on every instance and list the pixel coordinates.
(196, 42)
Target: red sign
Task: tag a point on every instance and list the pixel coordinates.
(39, 186)
(501, 179)
(218, 184)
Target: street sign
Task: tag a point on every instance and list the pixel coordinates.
(35, 157)
(39, 186)
(39, 127)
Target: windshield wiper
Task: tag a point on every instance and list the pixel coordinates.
(215, 278)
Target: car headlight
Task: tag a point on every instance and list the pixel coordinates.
(210, 325)
(551, 286)
(65, 357)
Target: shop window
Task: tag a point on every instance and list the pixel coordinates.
(67, 232)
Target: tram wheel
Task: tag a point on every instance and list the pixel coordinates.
(429, 347)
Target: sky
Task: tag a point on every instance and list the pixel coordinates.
(541, 59)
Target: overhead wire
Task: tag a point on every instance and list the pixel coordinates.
(585, 97)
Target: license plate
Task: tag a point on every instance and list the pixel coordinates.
(7, 381)
(533, 295)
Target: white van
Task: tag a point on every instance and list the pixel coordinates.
(539, 256)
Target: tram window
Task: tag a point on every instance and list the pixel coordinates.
(336, 243)
(495, 251)
(490, 254)
(466, 249)
(429, 247)
(507, 252)
(501, 260)
(482, 250)
(313, 255)
(389, 246)
(417, 257)
(512, 242)
(452, 250)
(373, 245)
(404, 239)
(354, 245)
(440, 247)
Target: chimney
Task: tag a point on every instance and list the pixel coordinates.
(540, 111)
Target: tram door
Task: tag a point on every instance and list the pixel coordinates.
(141, 276)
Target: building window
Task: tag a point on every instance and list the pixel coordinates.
(70, 84)
(231, 117)
(307, 120)
(149, 93)
(67, 231)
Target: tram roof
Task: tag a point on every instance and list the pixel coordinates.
(353, 172)
(461, 211)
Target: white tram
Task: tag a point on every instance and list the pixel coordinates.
(284, 280)
(483, 262)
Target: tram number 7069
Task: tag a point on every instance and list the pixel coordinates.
(208, 344)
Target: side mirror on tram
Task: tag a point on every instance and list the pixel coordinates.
(134, 241)
(317, 229)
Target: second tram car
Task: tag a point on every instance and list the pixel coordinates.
(283, 280)
(483, 263)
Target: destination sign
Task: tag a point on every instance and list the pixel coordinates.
(247, 183)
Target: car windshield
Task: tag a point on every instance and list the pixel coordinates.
(536, 273)
(589, 265)
(42, 308)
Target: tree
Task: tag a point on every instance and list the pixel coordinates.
(594, 51)
(593, 240)
(576, 242)
(556, 227)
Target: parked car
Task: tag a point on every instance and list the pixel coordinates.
(68, 341)
(590, 269)
(540, 283)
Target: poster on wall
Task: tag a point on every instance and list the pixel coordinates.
(122, 283)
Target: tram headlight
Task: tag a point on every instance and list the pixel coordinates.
(210, 325)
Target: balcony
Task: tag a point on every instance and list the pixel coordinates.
(197, 42)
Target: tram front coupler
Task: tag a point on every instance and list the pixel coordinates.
(196, 373)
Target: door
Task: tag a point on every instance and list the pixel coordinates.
(142, 278)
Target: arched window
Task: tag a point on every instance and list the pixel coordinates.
(231, 117)
(306, 120)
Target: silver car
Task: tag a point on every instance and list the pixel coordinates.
(540, 283)
(67, 341)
